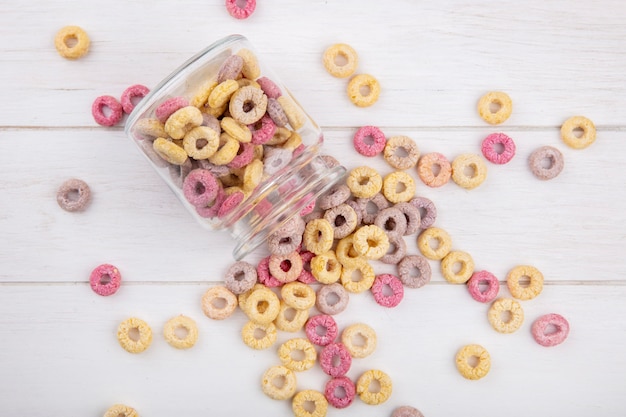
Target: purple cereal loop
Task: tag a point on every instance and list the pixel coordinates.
(230, 203)
(392, 282)
(397, 245)
(327, 359)
(493, 286)
(240, 277)
(412, 216)
(200, 187)
(326, 292)
(131, 92)
(245, 155)
(379, 203)
(349, 390)
(407, 264)
(556, 162)
(69, 189)
(240, 12)
(211, 121)
(268, 86)
(105, 279)
(169, 107)
(306, 277)
(540, 326)
(392, 221)
(343, 220)
(336, 195)
(280, 245)
(230, 68)
(97, 110)
(407, 411)
(262, 131)
(429, 216)
(369, 150)
(264, 276)
(330, 161)
(357, 209)
(328, 326)
(276, 113)
(217, 170)
(212, 209)
(489, 151)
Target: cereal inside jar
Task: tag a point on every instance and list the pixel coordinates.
(225, 119)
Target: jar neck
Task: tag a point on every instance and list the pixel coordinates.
(285, 195)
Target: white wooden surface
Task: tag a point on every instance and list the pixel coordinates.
(58, 352)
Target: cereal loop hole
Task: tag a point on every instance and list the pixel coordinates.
(70, 41)
(456, 267)
(297, 355)
(359, 340)
(551, 329)
(400, 187)
(321, 330)
(387, 290)
(242, 3)
(495, 106)
(259, 333)
(340, 220)
(483, 286)
(290, 314)
(332, 299)
(578, 132)
(365, 90)
(201, 143)
(473, 361)
(105, 279)
(219, 303)
(390, 224)
(506, 316)
(285, 265)
(469, 170)
(262, 306)
(335, 361)
(133, 334)
(356, 276)
(401, 152)
(498, 148)
(339, 392)
(309, 406)
(546, 162)
(524, 281)
(374, 386)
(434, 243)
(181, 332)
(279, 381)
(200, 188)
(341, 60)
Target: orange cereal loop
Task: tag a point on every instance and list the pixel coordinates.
(530, 291)
(364, 182)
(374, 397)
(434, 169)
(469, 171)
(505, 315)
(340, 60)
(473, 361)
(465, 272)
(169, 151)
(326, 268)
(182, 121)
(258, 336)
(71, 42)
(292, 111)
(250, 68)
(365, 278)
(495, 107)
(318, 402)
(440, 237)
(576, 124)
(371, 242)
(398, 187)
(121, 410)
(318, 236)
(371, 89)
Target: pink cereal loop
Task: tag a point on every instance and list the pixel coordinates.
(349, 390)
(328, 326)
(200, 187)
(240, 12)
(105, 279)
(490, 153)
(369, 150)
(268, 86)
(211, 210)
(230, 203)
(264, 133)
(328, 363)
(309, 207)
(540, 326)
(131, 92)
(169, 107)
(396, 286)
(493, 286)
(263, 273)
(97, 110)
(306, 277)
(263, 208)
(244, 156)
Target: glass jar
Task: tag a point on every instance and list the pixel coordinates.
(252, 200)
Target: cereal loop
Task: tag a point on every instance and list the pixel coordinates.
(248, 105)
(502, 107)
(286, 350)
(226, 151)
(318, 236)
(363, 387)
(115, 111)
(286, 268)
(369, 141)
(371, 242)
(483, 278)
(230, 69)
(182, 121)
(283, 391)
(343, 220)
(427, 209)
(200, 187)
(540, 330)
(317, 399)
(240, 277)
(294, 114)
(401, 152)
(240, 12)
(364, 279)
(546, 162)
(477, 369)
(219, 303)
(340, 51)
(290, 319)
(530, 291)
(169, 151)
(134, 91)
(364, 182)
(262, 305)
(105, 279)
(398, 187)
(370, 207)
(406, 411)
(134, 335)
(476, 166)
(267, 335)
(221, 94)
(72, 34)
(572, 126)
(326, 268)
(335, 359)
(505, 315)
(392, 282)
(175, 327)
(359, 339)
(363, 82)
(169, 107)
(465, 271)
(489, 148)
(250, 68)
(332, 299)
(121, 410)
(321, 329)
(298, 295)
(414, 271)
(392, 221)
(434, 169)
(340, 383)
(201, 142)
(74, 195)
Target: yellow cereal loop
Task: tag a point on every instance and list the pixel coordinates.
(495, 107)
(286, 353)
(363, 82)
(69, 35)
(215, 111)
(363, 280)
(245, 82)
(220, 95)
(469, 170)
(298, 295)
(181, 332)
(441, 239)
(290, 319)
(373, 397)
(252, 175)
(569, 128)
(398, 187)
(126, 335)
(121, 410)
(201, 98)
(169, 151)
(360, 340)
(293, 142)
(346, 254)
(182, 121)
(371, 242)
(465, 271)
(193, 142)
(318, 236)
(317, 400)
(152, 128)
(505, 315)
(280, 137)
(262, 305)
(473, 361)
(258, 152)
(237, 130)
(533, 289)
(258, 336)
(292, 111)
(227, 150)
(243, 298)
(364, 182)
(279, 383)
(250, 68)
(340, 52)
(326, 268)
(219, 303)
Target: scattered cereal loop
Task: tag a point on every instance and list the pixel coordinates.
(490, 152)
(495, 107)
(529, 292)
(276, 391)
(131, 92)
(540, 330)
(398, 187)
(477, 370)
(267, 336)
(350, 336)
(335, 359)
(569, 132)
(554, 159)
(74, 195)
(131, 343)
(366, 134)
(301, 345)
(349, 392)
(219, 303)
(371, 397)
(434, 169)
(476, 167)
(332, 299)
(393, 152)
(121, 410)
(465, 271)
(483, 277)
(240, 12)
(363, 82)
(181, 332)
(315, 398)
(406, 411)
(68, 35)
(498, 312)
(115, 111)
(105, 279)
(333, 56)
(290, 319)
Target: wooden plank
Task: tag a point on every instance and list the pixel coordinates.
(572, 228)
(433, 60)
(59, 346)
